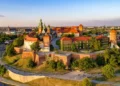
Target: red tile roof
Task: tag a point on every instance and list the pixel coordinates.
(28, 38)
(65, 38)
(66, 29)
(82, 38)
(113, 31)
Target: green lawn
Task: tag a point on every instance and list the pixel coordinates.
(54, 82)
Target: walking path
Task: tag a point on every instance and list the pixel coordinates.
(74, 75)
(54, 43)
(11, 82)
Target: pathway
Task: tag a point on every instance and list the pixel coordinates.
(54, 43)
(11, 82)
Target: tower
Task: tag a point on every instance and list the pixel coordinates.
(39, 30)
(81, 27)
(48, 29)
(40, 27)
(46, 40)
(113, 36)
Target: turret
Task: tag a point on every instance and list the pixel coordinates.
(113, 36)
(81, 27)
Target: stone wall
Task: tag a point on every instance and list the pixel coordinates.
(65, 59)
(39, 59)
(23, 78)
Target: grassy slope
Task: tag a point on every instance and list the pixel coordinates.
(58, 82)
(53, 82)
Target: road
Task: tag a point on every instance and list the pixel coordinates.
(54, 43)
(11, 82)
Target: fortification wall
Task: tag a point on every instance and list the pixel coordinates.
(23, 78)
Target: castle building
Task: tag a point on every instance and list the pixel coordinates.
(46, 43)
(81, 27)
(39, 30)
(48, 30)
(113, 36)
(82, 42)
(28, 41)
(66, 31)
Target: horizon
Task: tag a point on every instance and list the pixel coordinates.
(17, 13)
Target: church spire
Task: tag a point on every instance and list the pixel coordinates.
(40, 27)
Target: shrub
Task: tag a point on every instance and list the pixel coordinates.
(60, 65)
(2, 70)
(52, 64)
(100, 60)
(87, 63)
(58, 43)
(86, 82)
(74, 64)
(35, 46)
(31, 64)
(108, 71)
(51, 47)
(56, 65)
(18, 42)
(10, 50)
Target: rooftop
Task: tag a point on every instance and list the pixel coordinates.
(28, 38)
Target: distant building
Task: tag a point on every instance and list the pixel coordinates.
(46, 42)
(27, 30)
(11, 31)
(81, 28)
(113, 36)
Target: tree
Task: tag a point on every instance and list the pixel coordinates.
(51, 47)
(108, 71)
(40, 24)
(73, 47)
(91, 43)
(58, 43)
(60, 65)
(2, 70)
(52, 64)
(45, 28)
(18, 42)
(96, 45)
(74, 64)
(107, 55)
(35, 46)
(100, 60)
(86, 82)
(31, 63)
(113, 61)
(86, 63)
(10, 50)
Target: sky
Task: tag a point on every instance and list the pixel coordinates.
(60, 12)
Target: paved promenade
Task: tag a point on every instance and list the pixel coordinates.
(11, 82)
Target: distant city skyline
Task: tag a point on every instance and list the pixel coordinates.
(60, 12)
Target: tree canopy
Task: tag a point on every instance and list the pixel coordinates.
(86, 82)
(35, 46)
(10, 50)
(18, 42)
(108, 71)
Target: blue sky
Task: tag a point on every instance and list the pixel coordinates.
(59, 12)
